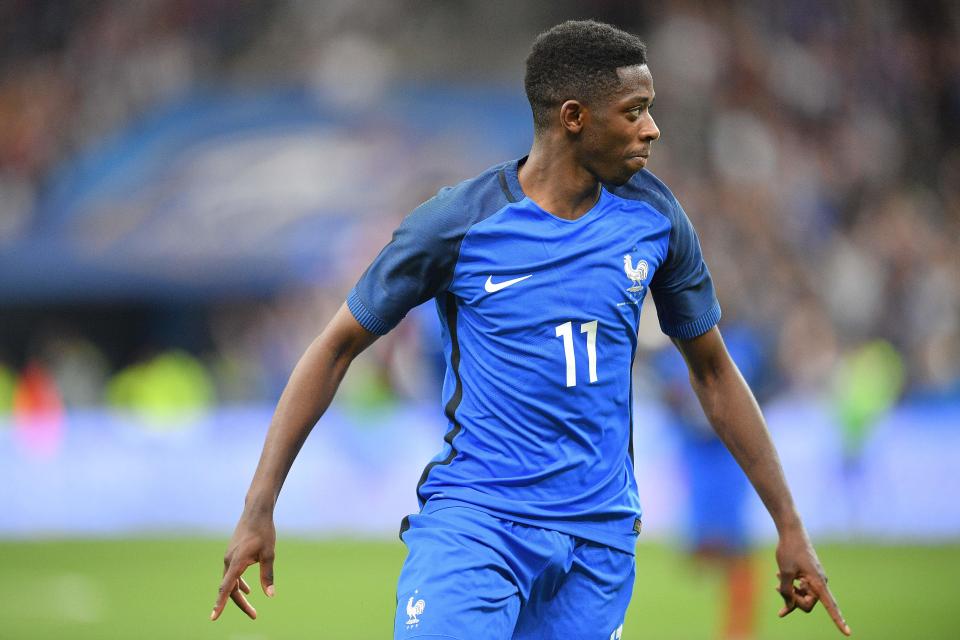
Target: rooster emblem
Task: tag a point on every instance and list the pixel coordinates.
(414, 610)
(637, 274)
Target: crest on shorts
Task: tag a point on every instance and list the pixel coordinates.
(414, 609)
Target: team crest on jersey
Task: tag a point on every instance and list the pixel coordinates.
(636, 274)
(414, 609)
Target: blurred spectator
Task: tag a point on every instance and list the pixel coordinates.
(78, 367)
(38, 410)
(7, 382)
(35, 394)
(165, 390)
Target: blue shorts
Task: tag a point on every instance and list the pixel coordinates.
(471, 576)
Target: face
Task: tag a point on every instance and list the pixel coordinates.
(618, 133)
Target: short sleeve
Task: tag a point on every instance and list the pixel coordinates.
(682, 288)
(415, 266)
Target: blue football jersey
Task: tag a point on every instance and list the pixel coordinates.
(539, 318)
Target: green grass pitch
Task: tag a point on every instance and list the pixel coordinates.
(333, 589)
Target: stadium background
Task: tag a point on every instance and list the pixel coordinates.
(188, 189)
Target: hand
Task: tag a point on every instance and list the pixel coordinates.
(802, 581)
(253, 541)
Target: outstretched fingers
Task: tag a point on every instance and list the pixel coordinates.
(241, 601)
(822, 592)
(230, 587)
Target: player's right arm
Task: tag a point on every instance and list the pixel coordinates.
(308, 393)
(414, 266)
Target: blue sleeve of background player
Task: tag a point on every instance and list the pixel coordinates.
(682, 287)
(415, 266)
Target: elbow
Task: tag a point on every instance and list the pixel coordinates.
(716, 384)
(710, 373)
(341, 348)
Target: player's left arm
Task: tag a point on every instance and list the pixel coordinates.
(735, 415)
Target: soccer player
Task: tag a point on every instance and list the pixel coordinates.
(529, 514)
(717, 491)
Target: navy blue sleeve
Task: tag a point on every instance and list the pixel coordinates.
(415, 266)
(682, 287)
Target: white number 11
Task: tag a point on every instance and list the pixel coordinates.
(565, 331)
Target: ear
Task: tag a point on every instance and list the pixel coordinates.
(572, 116)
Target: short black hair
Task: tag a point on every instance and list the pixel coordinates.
(577, 60)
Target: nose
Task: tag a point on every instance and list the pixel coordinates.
(649, 131)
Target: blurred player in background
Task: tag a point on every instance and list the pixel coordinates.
(529, 514)
(717, 491)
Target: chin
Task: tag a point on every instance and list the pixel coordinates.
(622, 178)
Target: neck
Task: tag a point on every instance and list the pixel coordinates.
(553, 179)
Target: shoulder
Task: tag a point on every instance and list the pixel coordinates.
(648, 188)
(454, 209)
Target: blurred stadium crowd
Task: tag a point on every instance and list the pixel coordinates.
(815, 145)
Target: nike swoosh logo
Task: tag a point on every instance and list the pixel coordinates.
(493, 287)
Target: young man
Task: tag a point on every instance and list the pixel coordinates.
(529, 515)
